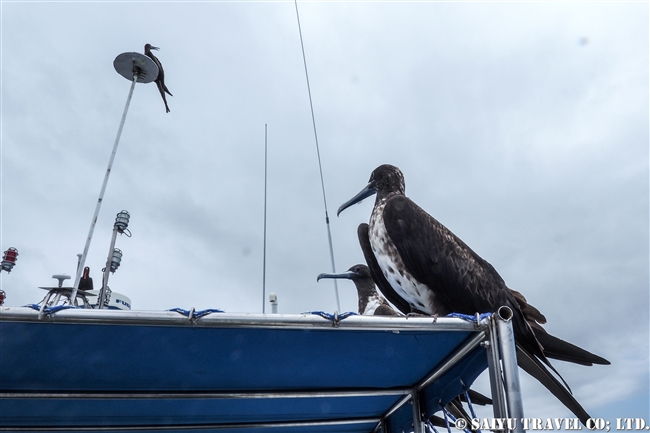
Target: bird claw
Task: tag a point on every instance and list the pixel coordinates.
(413, 314)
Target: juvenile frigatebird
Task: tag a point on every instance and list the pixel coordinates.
(414, 257)
(372, 303)
(160, 80)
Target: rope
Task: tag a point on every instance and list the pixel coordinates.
(50, 310)
(477, 318)
(448, 414)
(196, 314)
(320, 167)
(430, 426)
(334, 318)
(471, 408)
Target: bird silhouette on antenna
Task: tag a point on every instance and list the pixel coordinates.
(160, 81)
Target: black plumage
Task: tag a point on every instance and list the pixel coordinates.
(160, 80)
(414, 257)
(86, 283)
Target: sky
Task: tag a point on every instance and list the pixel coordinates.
(523, 127)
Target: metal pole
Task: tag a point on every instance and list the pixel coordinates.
(82, 261)
(494, 368)
(417, 413)
(510, 370)
(107, 269)
(264, 252)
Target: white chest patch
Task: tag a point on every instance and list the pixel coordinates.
(373, 303)
(415, 293)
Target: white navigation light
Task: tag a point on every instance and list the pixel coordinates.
(122, 221)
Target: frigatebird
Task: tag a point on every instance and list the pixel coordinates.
(414, 257)
(160, 80)
(372, 303)
(86, 283)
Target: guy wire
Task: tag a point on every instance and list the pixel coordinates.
(313, 121)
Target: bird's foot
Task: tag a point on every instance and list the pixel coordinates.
(413, 314)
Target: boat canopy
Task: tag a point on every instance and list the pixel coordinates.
(108, 370)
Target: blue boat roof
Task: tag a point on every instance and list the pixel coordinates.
(99, 370)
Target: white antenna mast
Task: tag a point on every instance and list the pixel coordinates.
(135, 67)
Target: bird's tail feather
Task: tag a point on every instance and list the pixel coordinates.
(455, 407)
(476, 397)
(557, 348)
(533, 366)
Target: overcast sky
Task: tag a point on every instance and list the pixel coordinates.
(521, 127)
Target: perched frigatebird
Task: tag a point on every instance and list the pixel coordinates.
(86, 282)
(372, 303)
(160, 80)
(414, 257)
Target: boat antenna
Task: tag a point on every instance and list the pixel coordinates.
(313, 121)
(135, 67)
(264, 253)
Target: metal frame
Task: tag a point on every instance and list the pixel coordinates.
(494, 333)
(255, 320)
(498, 340)
(189, 427)
(507, 400)
(57, 293)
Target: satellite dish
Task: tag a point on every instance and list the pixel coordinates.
(126, 64)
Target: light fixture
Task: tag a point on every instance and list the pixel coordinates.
(9, 259)
(116, 259)
(122, 221)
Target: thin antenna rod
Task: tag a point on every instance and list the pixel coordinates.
(264, 254)
(313, 121)
(82, 260)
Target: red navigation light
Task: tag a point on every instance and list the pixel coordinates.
(9, 259)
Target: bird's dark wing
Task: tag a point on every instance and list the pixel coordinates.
(535, 368)
(554, 347)
(557, 348)
(384, 286)
(476, 398)
(436, 257)
(385, 310)
(86, 284)
(160, 79)
(455, 407)
(161, 72)
(532, 314)
(460, 278)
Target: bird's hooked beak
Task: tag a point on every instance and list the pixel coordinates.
(348, 275)
(154, 48)
(369, 190)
